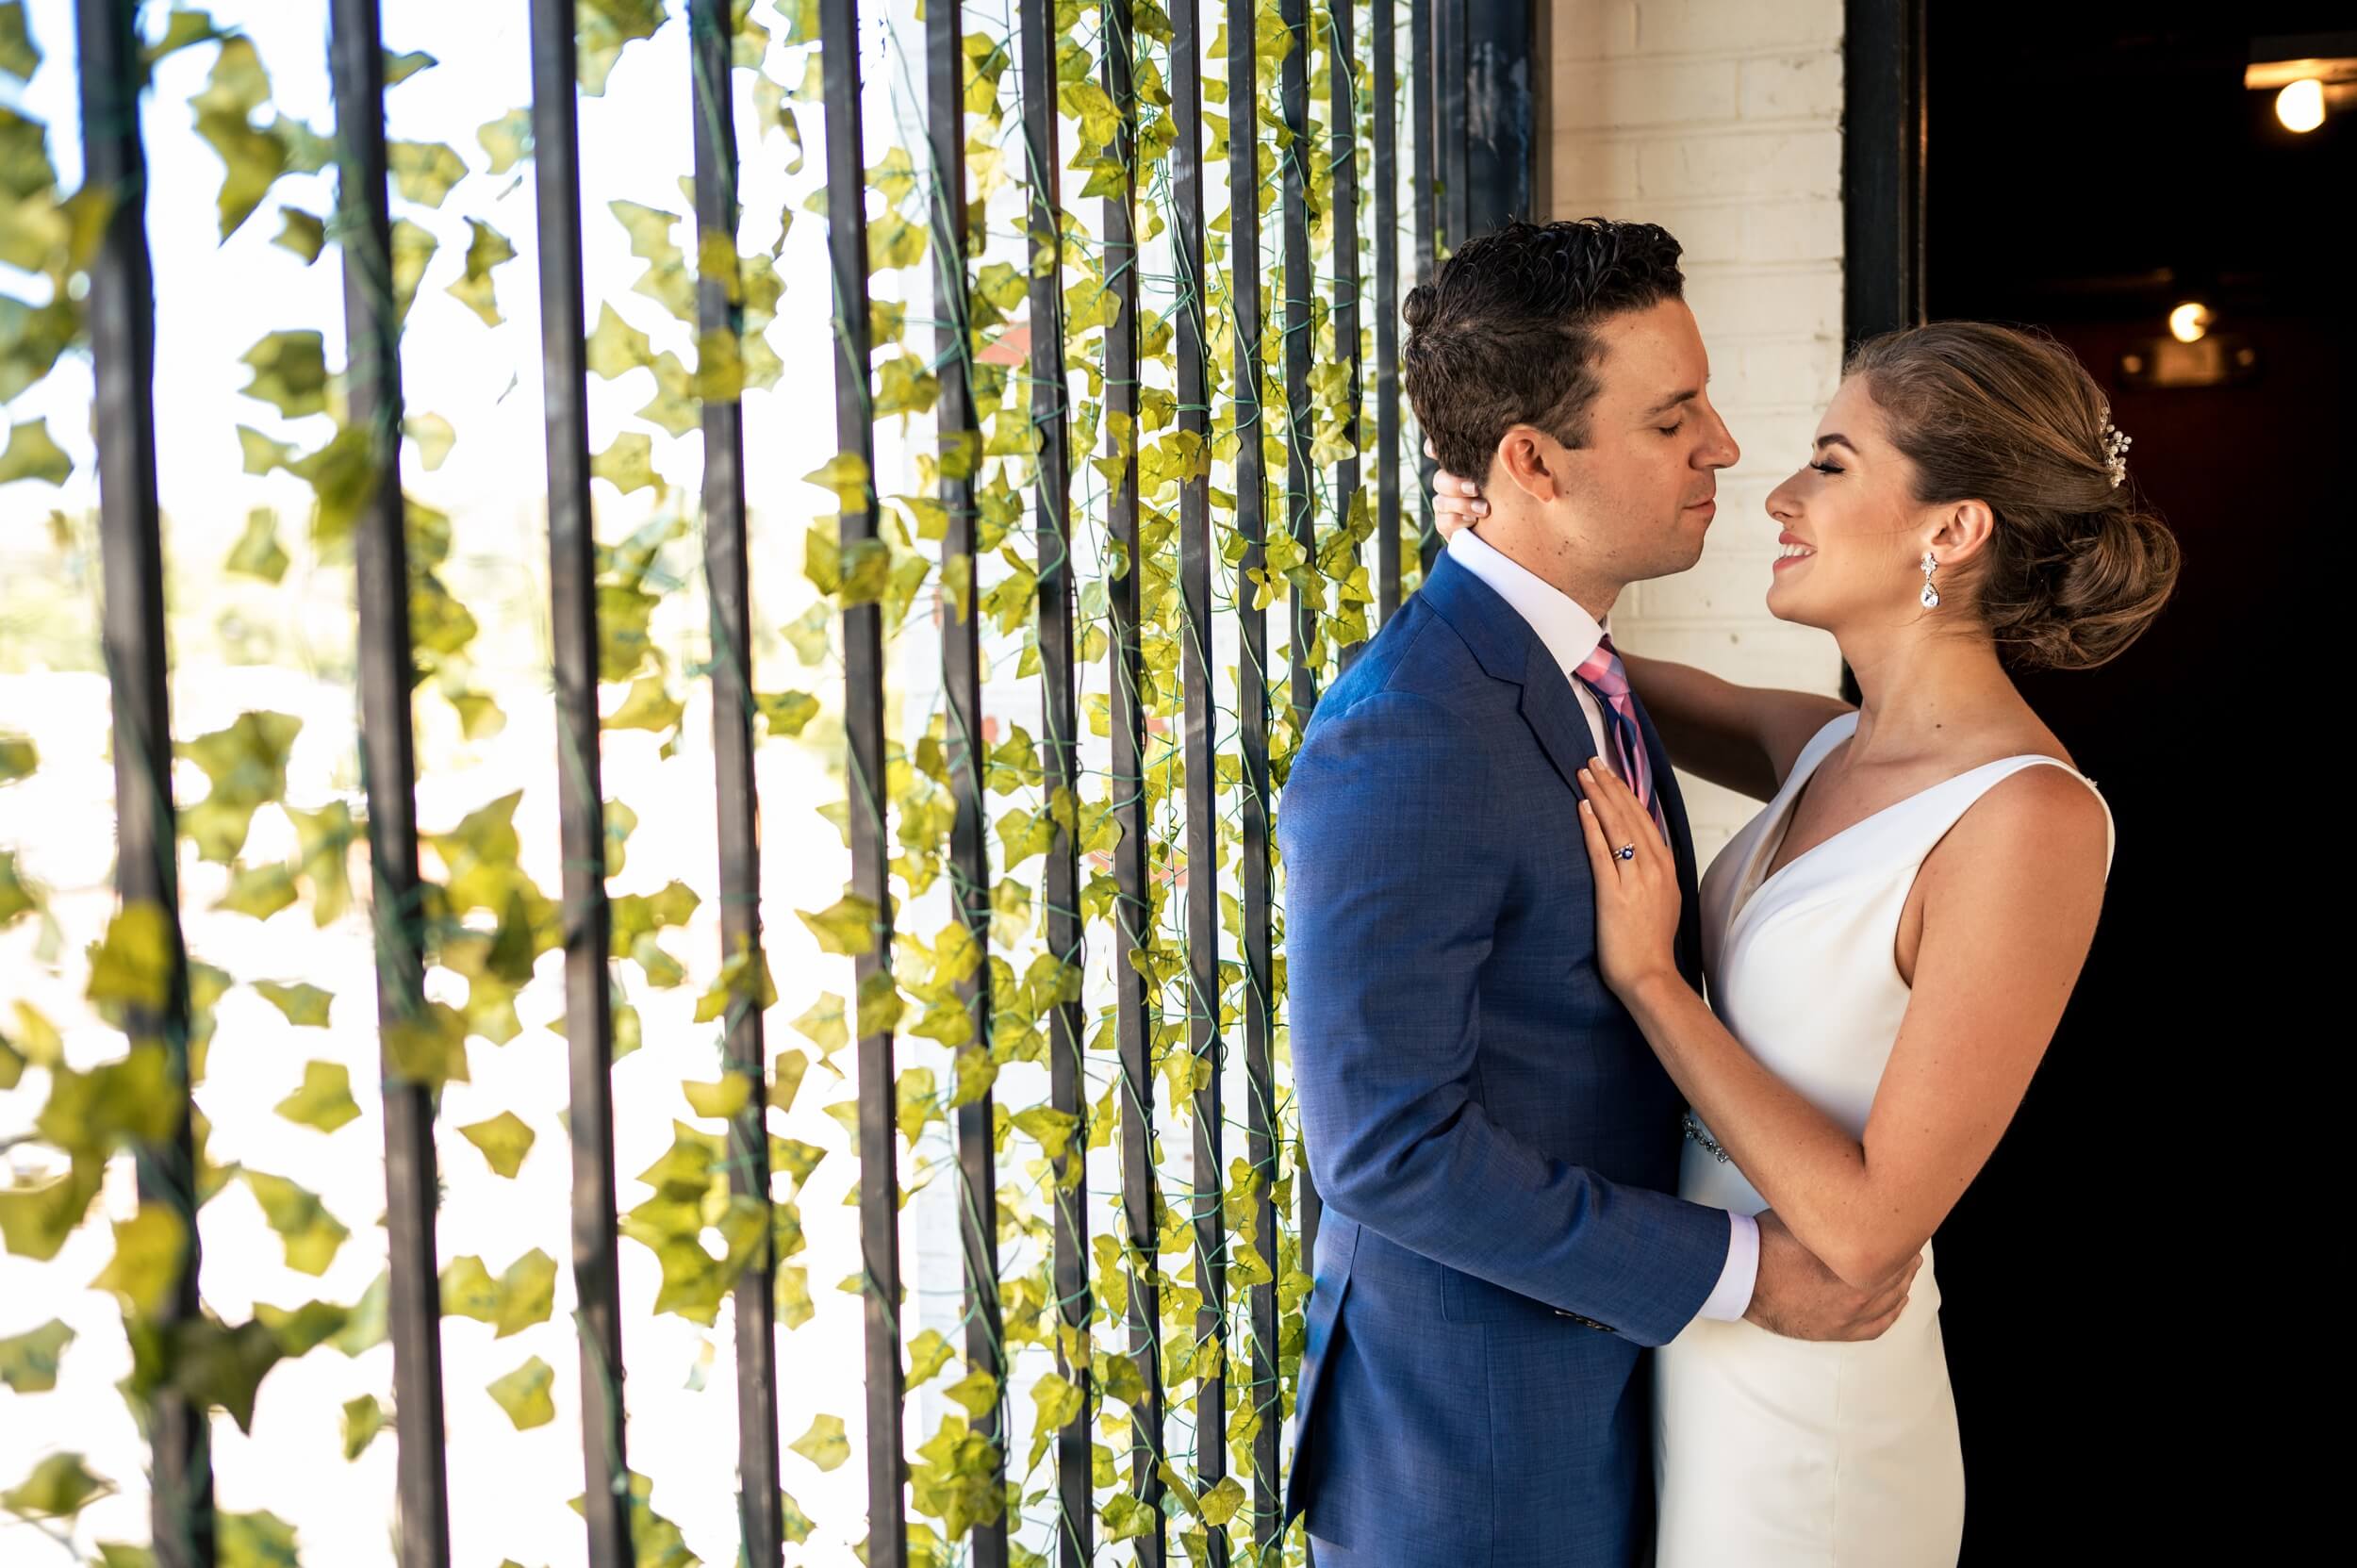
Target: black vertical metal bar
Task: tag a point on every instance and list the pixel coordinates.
(863, 720)
(1423, 253)
(1300, 287)
(1386, 311)
(720, 317)
(121, 315)
(1252, 704)
(1454, 141)
(1342, 107)
(1201, 735)
(1882, 166)
(961, 679)
(1052, 515)
(1133, 879)
(1300, 480)
(387, 766)
(574, 603)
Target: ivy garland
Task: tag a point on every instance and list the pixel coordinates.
(489, 923)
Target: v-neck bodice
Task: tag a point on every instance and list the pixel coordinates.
(1800, 962)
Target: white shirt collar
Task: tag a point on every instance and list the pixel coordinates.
(1569, 633)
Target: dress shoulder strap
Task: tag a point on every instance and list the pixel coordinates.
(1959, 794)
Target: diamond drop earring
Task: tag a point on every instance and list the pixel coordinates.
(1930, 595)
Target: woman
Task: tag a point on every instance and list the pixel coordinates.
(1890, 941)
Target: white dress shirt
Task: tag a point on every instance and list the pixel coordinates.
(1570, 634)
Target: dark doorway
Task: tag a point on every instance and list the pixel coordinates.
(2130, 1285)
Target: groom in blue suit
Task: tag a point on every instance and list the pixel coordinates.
(1495, 1143)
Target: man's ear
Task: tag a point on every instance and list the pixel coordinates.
(1530, 459)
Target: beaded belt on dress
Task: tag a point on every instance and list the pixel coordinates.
(1695, 1130)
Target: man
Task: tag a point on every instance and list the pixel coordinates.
(1493, 1139)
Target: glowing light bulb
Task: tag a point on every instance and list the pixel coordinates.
(2189, 322)
(2300, 106)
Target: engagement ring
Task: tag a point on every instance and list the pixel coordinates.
(1626, 851)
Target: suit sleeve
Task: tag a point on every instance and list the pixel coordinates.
(1396, 856)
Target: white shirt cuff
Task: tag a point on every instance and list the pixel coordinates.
(1733, 1297)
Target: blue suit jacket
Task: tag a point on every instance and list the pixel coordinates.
(1493, 1139)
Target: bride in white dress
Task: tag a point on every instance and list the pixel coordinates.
(1890, 941)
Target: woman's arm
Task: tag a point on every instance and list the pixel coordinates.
(1743, 738)
(2010, 902)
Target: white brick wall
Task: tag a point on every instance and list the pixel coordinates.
(1720, 121)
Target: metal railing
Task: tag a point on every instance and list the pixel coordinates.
(120, 314)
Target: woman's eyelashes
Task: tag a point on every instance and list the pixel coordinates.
(1824, 465)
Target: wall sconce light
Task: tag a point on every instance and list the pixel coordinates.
(2308, 72)
(2189, 320)
(2300, 104)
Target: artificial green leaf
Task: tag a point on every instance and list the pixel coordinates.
(310, 1233)
(435, 437)
(601, 29)
(507, 139)
(257, 553)
(305, 1004)
(928, 1354)
(504, 1140)
(251, 157)
(363, 1419)
(19, 57)
(824, 1444)
(305, 1329)
(150, 1250)
(786, 712)
(302, 233)
(524, 1394)
(527, 1290)
(722, 1099)
(648, 706)
(847, 925)
(399, 68)
(423, 171)
(823, 1024)
(367, 1326)
(133, 965)
(18, 758)
(262, 454)
(429, 1046)
(325, 1101)
(58, 1488)
(256, 1539)
(474, 289)
(258, 891)
(468, 1290)
(289, 372)
(617, 346)
(36, 1217)
(31, 454)
(845, 474)
(628, 464)
(29, 1362)
(414, 246)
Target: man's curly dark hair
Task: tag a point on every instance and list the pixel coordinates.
(1506, 333)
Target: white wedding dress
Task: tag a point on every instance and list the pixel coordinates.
(1769, 1452)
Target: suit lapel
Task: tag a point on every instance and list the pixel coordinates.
(1552, 714)
(1507, 648)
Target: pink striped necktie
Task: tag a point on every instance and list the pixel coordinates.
(1608, 678)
